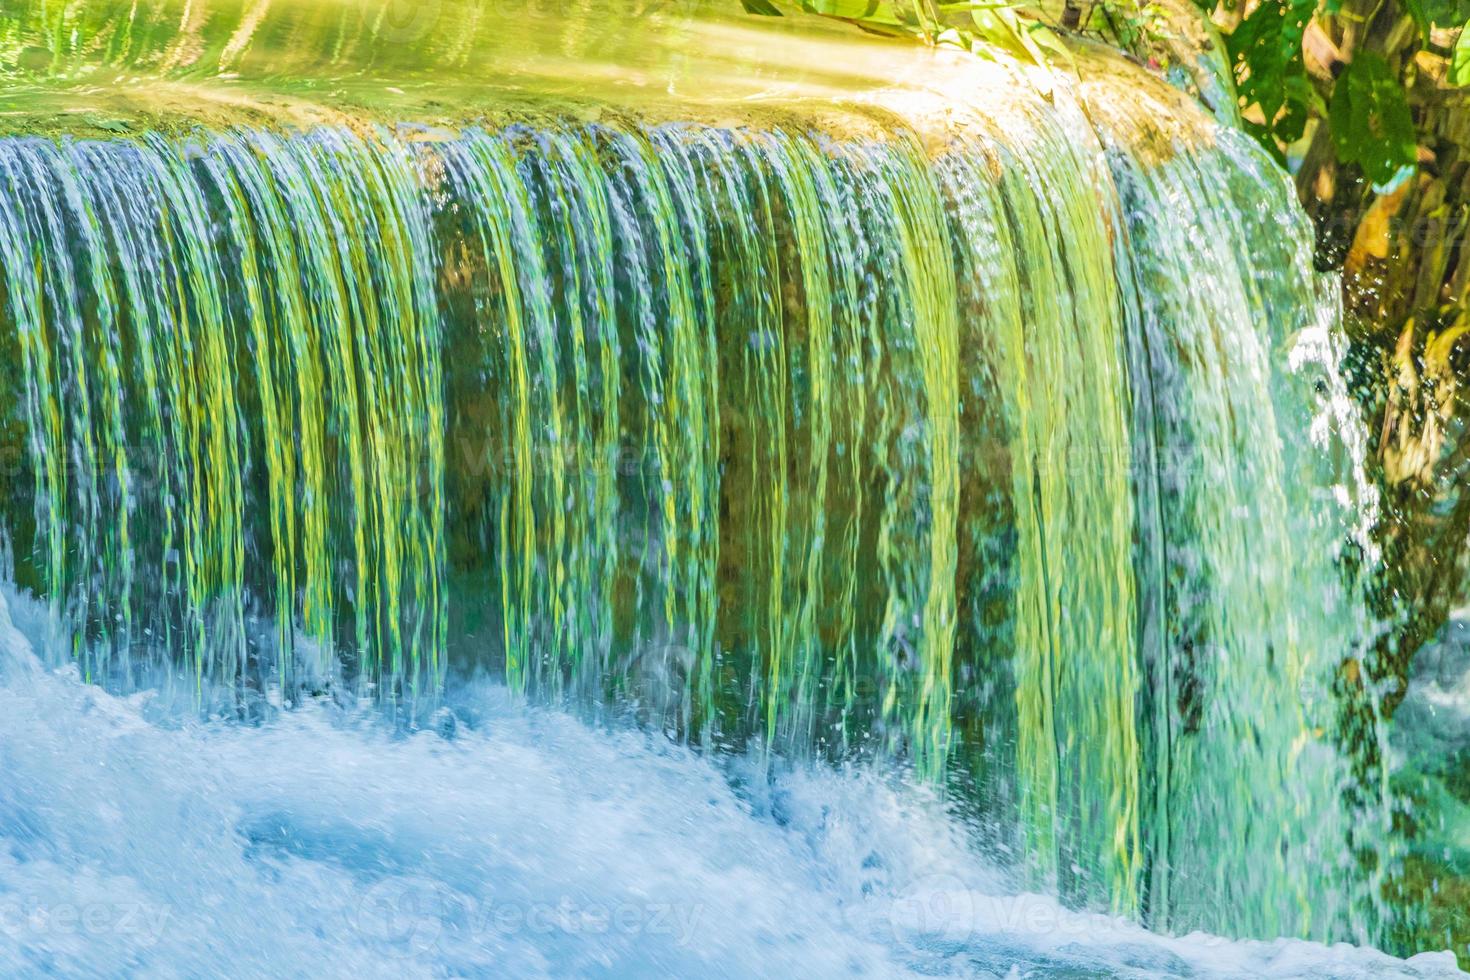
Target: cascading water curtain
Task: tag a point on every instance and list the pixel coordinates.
(988, 453)
(230, 393)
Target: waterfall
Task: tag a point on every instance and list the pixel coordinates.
(999, 437)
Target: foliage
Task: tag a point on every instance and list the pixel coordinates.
(1364, 98)
(1437, 13)
(1266, 52)
(1133, 26)
(1369, 115)
(1460, 65)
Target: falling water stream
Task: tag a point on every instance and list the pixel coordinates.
(964, 485)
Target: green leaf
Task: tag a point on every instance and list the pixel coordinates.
(1266, 50)
(763, 8)
(1460, 60)
(1061, 54)
(1437, 13)
(1370, 118)
(846, 9)
(1004, 29)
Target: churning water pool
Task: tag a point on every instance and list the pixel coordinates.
(508, 841)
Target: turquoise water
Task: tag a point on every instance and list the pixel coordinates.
(1009, 477)
(510, 841)
(983, 468)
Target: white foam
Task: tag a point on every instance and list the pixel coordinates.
(321, 843)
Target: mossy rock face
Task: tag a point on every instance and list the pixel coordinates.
(105, 67)
(1431, 732)
(1440, 899)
